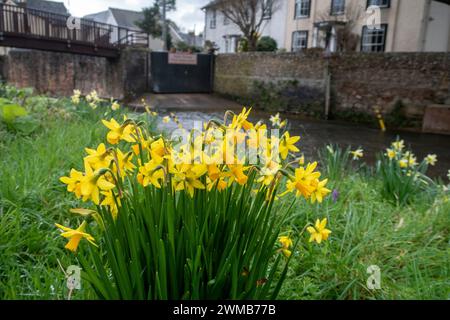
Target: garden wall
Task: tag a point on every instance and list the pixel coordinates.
(358, 81)
(58, 74)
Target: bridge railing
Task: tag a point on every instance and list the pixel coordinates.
(37, 24)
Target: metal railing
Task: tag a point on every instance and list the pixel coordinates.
(28, 23)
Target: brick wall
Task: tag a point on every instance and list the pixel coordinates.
(358, 81)
(58, 74)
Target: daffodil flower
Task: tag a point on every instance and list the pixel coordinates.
(73, 182)
(286, 243)
(357, 154)
(118, 132)
(92, 183)
(391, 153)
(303, 181)
(150, 173)
(431, 159)
(320, 191)
(99, 158)
(75, 236)
(319, 232)
(287, 144)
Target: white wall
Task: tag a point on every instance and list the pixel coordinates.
(274, 27)
(437, 36)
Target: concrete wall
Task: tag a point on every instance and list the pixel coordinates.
(358, 81)
(58, 74)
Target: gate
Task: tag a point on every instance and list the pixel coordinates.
(182, 72)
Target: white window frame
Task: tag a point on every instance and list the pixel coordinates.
(379, 3)
(374, 40)
(302, 9)
(213, 21)
(337, 7)
(299, 37)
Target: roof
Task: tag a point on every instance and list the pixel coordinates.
(44, 5)
(127, 18)
(98, 17)
(211, 4)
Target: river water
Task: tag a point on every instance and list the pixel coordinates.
(315, 134)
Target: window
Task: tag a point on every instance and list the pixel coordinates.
(299, 40)
(212, 22)
(226, 21)
(302, 8)
(379, 3)
(373, 40)
(337, 7)
(267, 14)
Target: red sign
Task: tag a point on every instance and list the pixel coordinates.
(183, 58)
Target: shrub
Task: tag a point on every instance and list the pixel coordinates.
(267, 44)
(170, 228)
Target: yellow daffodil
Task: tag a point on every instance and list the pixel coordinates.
(240, 121)
(109, 200)
(118, 132)
(99, 158)
(221, 184)
(75, 236)
(166, 119)
(151, 173)
(73, 182)
(403, 163)
(236, 173)
(76, 97)
(91, 184)
(319, 232)
(357, 154)
(275, 120)
(125, 163)
(303, 181)
(268, 172)
(186, 177)
(115, 106)
(286, 243)
(319, 191)
(301, 161)
(287, 144)
(398, 145)
(391, 153)
(431, 159)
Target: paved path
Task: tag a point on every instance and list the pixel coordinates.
(186, 102)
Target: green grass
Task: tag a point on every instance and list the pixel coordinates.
(410, 243)
(32, 199)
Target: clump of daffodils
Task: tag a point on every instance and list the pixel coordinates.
(222, 156)
(402, 174)
(406, 159)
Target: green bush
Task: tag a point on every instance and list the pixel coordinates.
(267, 44)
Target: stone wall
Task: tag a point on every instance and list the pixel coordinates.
(358, 81)
(362, 81)
(58, 74)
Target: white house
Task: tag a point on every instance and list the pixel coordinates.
(124, 19)
(225, 34)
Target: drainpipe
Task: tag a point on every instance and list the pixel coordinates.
(394, 29)
(424, 25)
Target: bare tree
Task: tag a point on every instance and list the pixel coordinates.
(346, 38)
(248, 15)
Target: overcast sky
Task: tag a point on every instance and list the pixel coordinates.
(188, 12)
